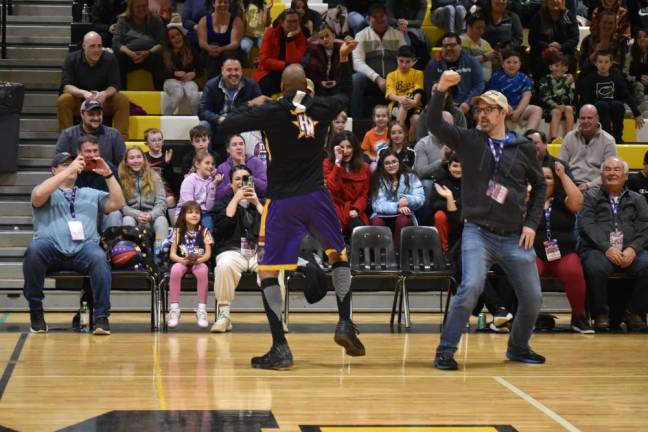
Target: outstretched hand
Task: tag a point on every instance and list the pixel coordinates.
(347, 46)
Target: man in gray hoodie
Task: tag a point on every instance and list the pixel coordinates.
(499, 223)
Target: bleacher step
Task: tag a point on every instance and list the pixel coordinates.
(36, 151)
(15, 238)
(43, 20)
(12, 252)
(33, 78)
(34, 162)
(28, 135)
(16, 208)
(18, 284)
(43, 10)
(24, 178)
(11, 270)
(39, 30)
(14, 220)
(38, 125)
(28, 52)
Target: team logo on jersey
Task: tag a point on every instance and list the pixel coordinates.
(306, 125)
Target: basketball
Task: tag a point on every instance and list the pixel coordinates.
(124, 253)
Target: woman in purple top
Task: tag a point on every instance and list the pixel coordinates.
(235, 147)
(220, 32)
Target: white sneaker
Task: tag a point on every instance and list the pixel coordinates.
(173, 318)
(201, 318)
(223, 322)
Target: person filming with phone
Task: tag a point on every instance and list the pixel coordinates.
(237, 220)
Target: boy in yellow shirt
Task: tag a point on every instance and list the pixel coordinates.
(405, 90)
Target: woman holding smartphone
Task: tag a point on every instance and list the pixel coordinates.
(236, 229)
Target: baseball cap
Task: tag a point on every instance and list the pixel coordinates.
(89, 105)
(61, 158)
(493, 97)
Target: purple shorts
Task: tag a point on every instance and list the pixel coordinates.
(286, 221)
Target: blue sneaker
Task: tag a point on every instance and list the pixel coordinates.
(445, 361)
(527, 356)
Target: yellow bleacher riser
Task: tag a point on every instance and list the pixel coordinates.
(140, 79)
(140, 144)
(631, 153)
(150, 101)
(433, 32)
(277, 8)
(173, 127)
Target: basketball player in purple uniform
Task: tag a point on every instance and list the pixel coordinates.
(298, 202)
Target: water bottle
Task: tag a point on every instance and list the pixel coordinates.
(84, 318)
(85, 13)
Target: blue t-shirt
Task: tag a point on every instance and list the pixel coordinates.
(511, 87)
(51, 219)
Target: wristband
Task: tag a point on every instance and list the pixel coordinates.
(109, 176)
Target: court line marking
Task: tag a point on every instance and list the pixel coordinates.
(283, 375)
(538, 405)
(12, 363)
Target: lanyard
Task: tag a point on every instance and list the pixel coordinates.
(547, 214)
(615, 212)
(190, 240)
(497, 149)
(70, 197)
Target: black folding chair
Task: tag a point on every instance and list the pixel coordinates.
(372, 255)
(421, 257)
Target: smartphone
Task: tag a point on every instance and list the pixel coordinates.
(90, 164)
(248, 180)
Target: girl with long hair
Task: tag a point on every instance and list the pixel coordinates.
(347, 177)
(395, 194)
(144, 193)
(397, 141)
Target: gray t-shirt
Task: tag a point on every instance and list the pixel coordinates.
(51, 219)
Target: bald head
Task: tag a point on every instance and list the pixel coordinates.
(92, 47)
(293, 78)
(588, 120)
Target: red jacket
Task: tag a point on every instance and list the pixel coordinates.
(349, 190)
(269, 54)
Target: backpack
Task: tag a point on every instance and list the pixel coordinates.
(128, 248)
(338, 19)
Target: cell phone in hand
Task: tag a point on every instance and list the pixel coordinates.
(90, 164)
(248, 180)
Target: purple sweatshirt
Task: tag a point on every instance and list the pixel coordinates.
(196, 188)
(259, 172)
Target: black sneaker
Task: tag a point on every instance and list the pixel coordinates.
(445, 361)
(634, 322)
(502, 317)
(279, 357)
(345, 336)
(102, 326)
(581, 325)
(527, 356)
(37, 321)
(76, 322)
(602, 324)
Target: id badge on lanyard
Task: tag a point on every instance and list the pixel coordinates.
(552, 250)
(75, 226)
(616, 236)
(495, 190)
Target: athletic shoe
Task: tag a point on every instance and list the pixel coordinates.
(527, 356)
(502, 329)
(279, 357)
(201, 318)
(581, 325)
(445, 361)
(101, 327)
(37, 321)
(634, 322)
(345, 336)
(173, 318)
(223, 322)
(502, 317)
(602, 324)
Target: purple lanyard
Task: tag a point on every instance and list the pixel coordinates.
(547, 214)
(615, 212)
(497, 149)
(70, 197)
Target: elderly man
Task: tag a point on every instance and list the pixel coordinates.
(585, 148)
(66, 238)
(453, 58)
(111, 143)
(221, 95)
(373, 59)
(500, 222)
(92, 74)
(613, 228)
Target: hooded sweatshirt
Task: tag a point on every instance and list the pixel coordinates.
(196, 188)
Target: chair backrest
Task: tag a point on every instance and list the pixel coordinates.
(372, 249)
(421, 250)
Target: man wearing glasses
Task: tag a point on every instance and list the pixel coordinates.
(613, 229)
(499, 222)
(453, 58)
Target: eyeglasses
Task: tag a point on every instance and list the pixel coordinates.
(486, 110)
(390, 162)
(449, 45)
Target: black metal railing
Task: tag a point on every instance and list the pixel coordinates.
(3, 25)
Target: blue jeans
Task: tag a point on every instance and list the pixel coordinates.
(480, 249)
(42, 258)
(357, 22)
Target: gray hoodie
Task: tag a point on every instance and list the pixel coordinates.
(153, 203)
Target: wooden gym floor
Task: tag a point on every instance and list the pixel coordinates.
(192, 380)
